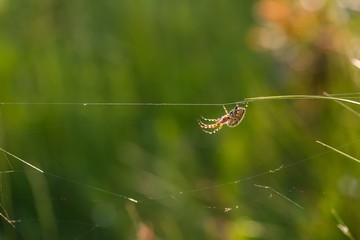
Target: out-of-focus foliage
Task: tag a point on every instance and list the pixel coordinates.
(190, 185)
(304, 35)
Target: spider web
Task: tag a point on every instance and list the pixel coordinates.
(23, 182)
(176, 196)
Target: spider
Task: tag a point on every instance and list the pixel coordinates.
(232, 119)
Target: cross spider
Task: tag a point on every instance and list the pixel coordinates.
(232, 119)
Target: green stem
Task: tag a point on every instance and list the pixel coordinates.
(254, 99)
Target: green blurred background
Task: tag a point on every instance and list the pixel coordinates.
(177, 52)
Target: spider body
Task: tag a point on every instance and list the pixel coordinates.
(231, 119)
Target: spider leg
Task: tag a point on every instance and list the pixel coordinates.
(211, 119)
(225, 110)
(215, 130)
(208, 131)
(204, 125)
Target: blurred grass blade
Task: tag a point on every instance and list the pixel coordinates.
(21, 160)
(338, 151)
(341, 225)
